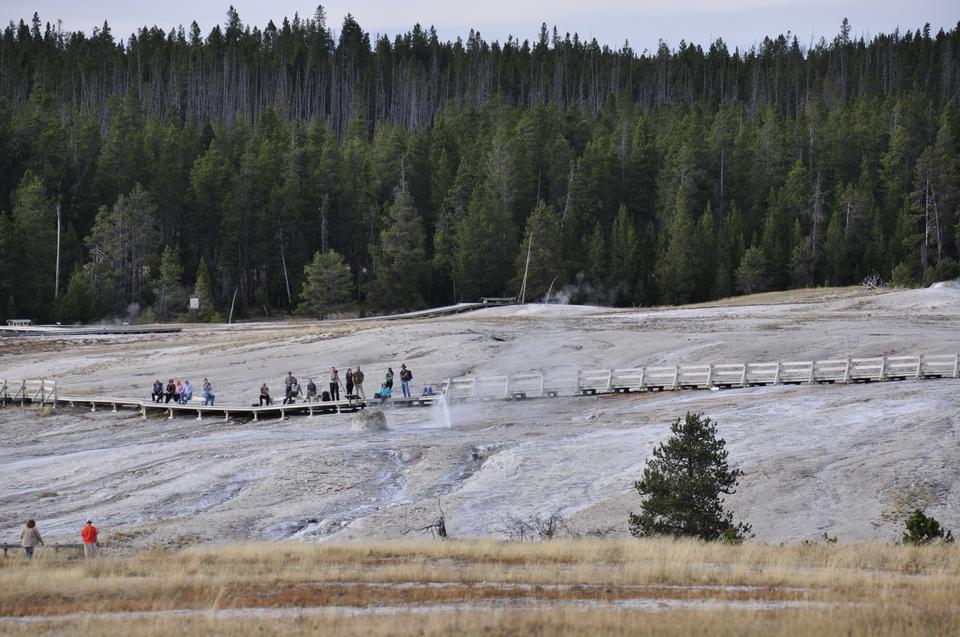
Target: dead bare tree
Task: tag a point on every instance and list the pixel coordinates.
(437, 529)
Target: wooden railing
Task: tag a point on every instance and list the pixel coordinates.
(539, 384)
(8, 546)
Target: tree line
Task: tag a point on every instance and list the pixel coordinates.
(295, 169)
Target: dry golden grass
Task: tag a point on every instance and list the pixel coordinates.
(491, 588)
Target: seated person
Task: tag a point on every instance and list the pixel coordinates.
(384, 393)
(171, 391)
(311, 390)
(265, 395)
(186, 392)
(157, 394)
(292, 394)
(428, 390)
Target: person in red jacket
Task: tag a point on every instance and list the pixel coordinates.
(89, 535)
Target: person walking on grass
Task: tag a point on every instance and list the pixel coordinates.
(30, 538)
(405, 377)
(334, 384)
(89, 536)
(358, 382)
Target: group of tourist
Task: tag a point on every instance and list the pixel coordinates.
(180, 392)
(386, 389)
(30, 539)
(352, 383)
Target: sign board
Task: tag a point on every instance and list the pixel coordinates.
(194, 303)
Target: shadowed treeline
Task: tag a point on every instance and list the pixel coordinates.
(219, 166)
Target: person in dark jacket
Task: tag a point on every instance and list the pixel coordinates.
(171, 392)
(334, 384)
(349, 382)
(405, 377)
(157, 394)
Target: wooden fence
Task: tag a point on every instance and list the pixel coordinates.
(543, 385)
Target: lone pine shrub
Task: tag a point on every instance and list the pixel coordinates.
(923, 529)
(683, 483)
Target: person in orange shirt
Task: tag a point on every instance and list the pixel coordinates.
(89, 535)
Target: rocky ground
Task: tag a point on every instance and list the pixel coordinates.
(850, 461)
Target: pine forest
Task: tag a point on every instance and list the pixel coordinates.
(299, 168)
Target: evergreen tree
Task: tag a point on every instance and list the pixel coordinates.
(122, 241)
(76, 305)
(683, 485)
(543, 230)
(326, 285)
(169, 295)
(751, 274)
(624, 256)
(33, 247)
(399, 259)
(203, 291)
(924, 529)
(677, 270)
(597, 259)
(297, 148)
(485, 247)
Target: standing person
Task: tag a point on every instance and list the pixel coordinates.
(349, 380)
(89, 536)
(157, 394)
(208, 395)
(30, 538)
(288, 393)
(405, 377)
(334, 384)
(171, 392)
(358, 382)
(265, 395)
(389, 378)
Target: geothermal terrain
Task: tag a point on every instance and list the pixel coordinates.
(850, 461)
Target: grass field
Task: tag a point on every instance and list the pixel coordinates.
(582, 587)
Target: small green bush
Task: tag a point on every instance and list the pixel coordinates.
(922, 529)
(944, 270)
(903, 276)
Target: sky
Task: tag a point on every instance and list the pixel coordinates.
(741, 23)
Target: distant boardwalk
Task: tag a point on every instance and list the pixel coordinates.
(536, 385)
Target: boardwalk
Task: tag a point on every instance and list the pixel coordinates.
(532, 385)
